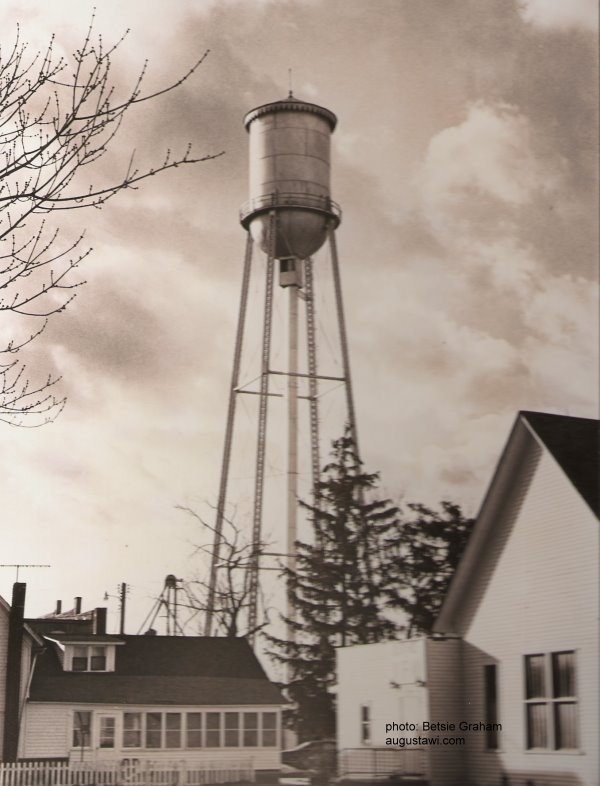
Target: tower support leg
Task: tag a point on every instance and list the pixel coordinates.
(259, 479)
(337, 283)
(313, 384)
(235, 376)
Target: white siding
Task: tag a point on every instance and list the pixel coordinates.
(541, 596)
(389, 678)
(48, 728)
(44, 731)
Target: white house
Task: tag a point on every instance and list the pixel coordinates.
(93, 697)
(522, 611)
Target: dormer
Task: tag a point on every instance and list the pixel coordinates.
(89, 657)
(86, 654)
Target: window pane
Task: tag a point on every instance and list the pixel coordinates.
(107, 732)
(537, 726)
(213, 726)
(82, 729)
(98, 659)
(132, 730)
(232, 729)
(534, 677)
(563, 674)
(79, 661)
(565, 719)
(269, 725)
(250, 729)
(173, 730)
(153, 729)
(194, 730)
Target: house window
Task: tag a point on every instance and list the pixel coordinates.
(269, 729)
(153, 729)
(79, 661)
(107, 732)
(132, 730)
(250, 739)
(82, 729)
(194, 730)
(173, 730)
(213, 729)
(365, 724)
(491, 704)
(89, 658)
(232, 729)
(550, 701)
(97, 658)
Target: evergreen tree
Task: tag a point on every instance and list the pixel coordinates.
(338, 588)
(423, 554)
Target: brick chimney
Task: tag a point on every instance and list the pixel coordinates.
(14, 652)
(99, 621)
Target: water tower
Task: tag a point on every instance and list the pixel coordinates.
(290, 215)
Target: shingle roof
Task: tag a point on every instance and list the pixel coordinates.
(575, 444)
(184, 691)
(161, 670)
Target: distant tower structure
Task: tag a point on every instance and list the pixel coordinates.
(290, 215)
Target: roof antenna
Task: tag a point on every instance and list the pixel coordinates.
(291, 94)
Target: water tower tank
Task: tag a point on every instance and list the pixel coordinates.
(289, 174)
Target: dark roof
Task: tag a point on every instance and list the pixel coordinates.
(162, 670)
(46, 626)
(575, 444)
(185, 691)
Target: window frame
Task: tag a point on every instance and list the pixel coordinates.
(366, 737)
(87, 655)
(77, 727)
(550, 702)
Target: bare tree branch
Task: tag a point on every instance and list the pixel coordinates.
(58, 116)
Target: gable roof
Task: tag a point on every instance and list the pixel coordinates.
(160, 670)
(575, 444)
(572, 442)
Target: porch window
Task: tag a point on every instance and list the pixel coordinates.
(153, 729)
(551, 710)
(269, 729)
(132, 730)
(173, 730)
(213, 729)
(232, 729)
(194, 730)
(250, 729)
(82, 729)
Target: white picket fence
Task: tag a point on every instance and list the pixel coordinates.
(139, 773)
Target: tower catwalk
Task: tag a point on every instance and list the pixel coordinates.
(289, 216)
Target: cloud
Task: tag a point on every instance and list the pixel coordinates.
(560, 14)
(488, 158)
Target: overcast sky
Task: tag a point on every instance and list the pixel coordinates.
(464, 161)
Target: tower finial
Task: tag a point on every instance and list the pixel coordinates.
(291, 94)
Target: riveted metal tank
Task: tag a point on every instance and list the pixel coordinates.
(290, 175)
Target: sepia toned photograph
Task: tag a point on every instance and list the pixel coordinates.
(299, 385)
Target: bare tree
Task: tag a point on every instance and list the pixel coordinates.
(58, 116)
(232, 591)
